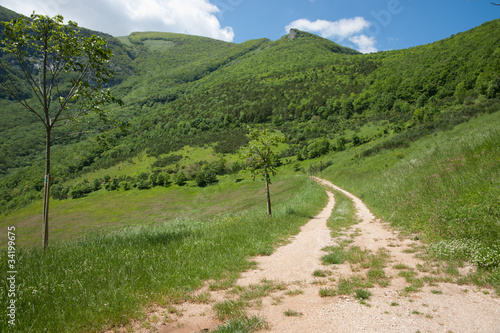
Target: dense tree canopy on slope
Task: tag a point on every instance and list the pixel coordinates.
(181, 89)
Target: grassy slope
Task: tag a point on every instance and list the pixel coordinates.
(183, 90)
(113, 275)
(104, 211)
(446, 187)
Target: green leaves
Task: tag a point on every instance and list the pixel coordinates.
(260, 152)
(60, 65)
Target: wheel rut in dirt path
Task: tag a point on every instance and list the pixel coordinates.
(409, 295)
(296, 260)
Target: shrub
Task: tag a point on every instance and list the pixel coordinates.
(80, 190)
(204, 178)
(493, 87)
(318, 148)
(153, 179)
(180, 178)
(219, 166)
(143, 184)
(341, 141)
(163, 179)
(113, 185)
(210, 177)
(143, 176)
(59, 192)
(125, 186)
(96, 185)
(237, 167)
(200, 179)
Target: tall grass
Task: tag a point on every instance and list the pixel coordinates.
(445, 187)
(103, 280)
(451, 193)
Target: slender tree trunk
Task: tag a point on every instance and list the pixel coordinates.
(268, 196)
(46, 190)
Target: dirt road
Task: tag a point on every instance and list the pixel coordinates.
(411, 296)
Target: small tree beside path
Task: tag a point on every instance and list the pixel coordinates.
(262, 157)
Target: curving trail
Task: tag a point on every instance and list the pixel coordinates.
(296, 260)
(442, 307)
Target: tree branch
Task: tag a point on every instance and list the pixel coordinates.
(74, 134)
(36, 88)
(19, 94)
(71, 93)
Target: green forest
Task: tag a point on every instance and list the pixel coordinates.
(185, 90)
(189, 103)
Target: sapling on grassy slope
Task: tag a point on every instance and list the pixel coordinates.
(262, 157)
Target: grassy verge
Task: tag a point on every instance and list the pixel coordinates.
(445, 187)
(343, 214)
(105, 279)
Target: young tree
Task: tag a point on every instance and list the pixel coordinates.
(65, 73)
(262, 157)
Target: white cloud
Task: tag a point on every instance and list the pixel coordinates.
(365, 44)
(339, 30)
(121, 17)
(196, 17)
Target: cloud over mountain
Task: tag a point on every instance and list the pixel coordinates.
(121, 17)
(340, 30)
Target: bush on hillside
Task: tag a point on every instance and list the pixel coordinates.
(163, 179)
(318, 148)
(80, 190)
(180, 178)
(59, 192)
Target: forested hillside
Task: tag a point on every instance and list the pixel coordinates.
(185, 90)
(145, 214)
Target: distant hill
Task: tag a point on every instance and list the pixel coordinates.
(188, 90)
(7, 15)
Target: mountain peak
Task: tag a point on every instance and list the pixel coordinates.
(292, 33)
(296, 34)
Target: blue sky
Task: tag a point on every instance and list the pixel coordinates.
(366, 25)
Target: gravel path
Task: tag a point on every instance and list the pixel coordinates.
(442, 307)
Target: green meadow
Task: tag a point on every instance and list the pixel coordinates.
(111, 274)
(104, 211)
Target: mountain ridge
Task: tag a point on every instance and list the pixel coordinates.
(188, 90)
